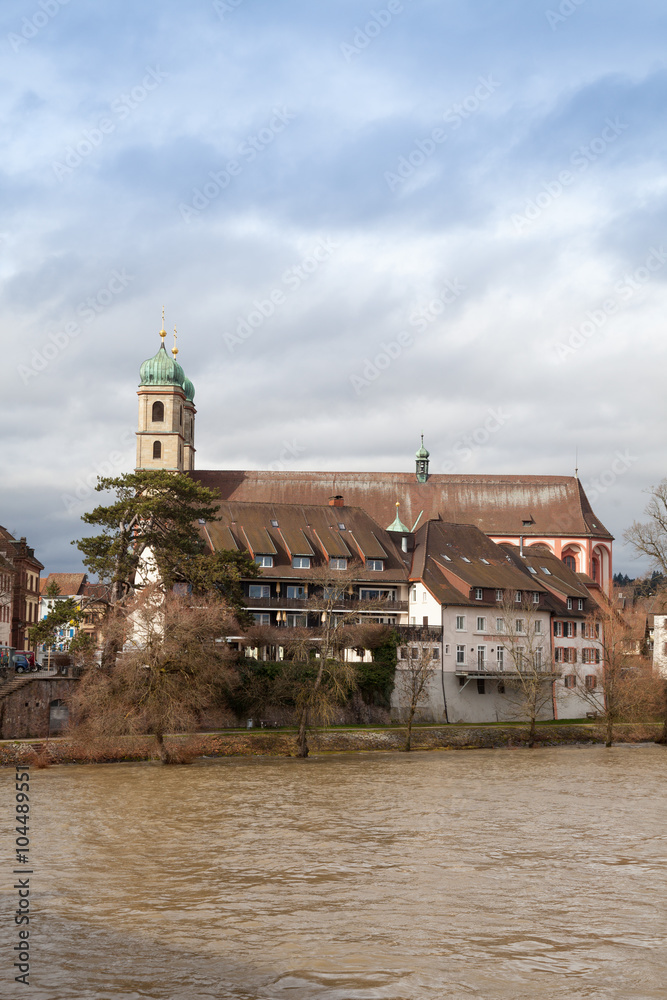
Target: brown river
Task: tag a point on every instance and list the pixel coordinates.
(489, 874)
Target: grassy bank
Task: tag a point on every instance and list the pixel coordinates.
(262, 743)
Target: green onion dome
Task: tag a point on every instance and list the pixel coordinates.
(189, 390)
(422, 454)
(162, 370)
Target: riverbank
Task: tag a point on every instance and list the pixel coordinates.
(186, 748)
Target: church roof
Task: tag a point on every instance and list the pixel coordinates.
(533, 506)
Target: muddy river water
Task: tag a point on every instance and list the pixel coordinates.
(488, 874)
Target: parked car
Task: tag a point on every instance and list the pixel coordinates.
(24, 663)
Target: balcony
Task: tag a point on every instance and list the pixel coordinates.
(312, 604)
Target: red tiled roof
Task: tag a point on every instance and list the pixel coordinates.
(498, 505)
(71, 584)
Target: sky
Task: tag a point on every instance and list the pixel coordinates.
(365, 220)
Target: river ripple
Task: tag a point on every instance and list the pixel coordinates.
(486, 874)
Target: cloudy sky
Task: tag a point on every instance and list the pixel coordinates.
(366, 221)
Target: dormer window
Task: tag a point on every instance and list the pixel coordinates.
(479, 594)
(300, 562)
(265, 561)
(375, 565)
(569, 604)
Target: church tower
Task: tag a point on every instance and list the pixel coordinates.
(165, 438)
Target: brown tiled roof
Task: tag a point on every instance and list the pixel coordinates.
(498, 505)
(451, 559)
(307, 529)
(71, 584)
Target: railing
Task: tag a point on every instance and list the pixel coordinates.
(419, 633)
(316, 604)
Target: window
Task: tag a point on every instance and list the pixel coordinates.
(465, 559)
(403, 653)
(481, 657)
(546, 570)
(296, 621)
(500, 624)
(558, 654)
(266, 561)
(580, 604)
(501, 687)
(375, 565)
(536, 597)
(520, 625)
(413, 594)
(519, 657)
(570, 680)
(570, 630)
(263, 618)
(158, 413)
(259, 590)
(500, 658)
(446, 649)
(295, 593)
(338, 563)
(499, 595)
(460, 623)
(558, 628)
(460, 656)
(591, 682)
(333, 594)
(479, 594)
(435, 655)
(590, 655)
(157, 449)
(274, 523)
(424, 597)
(569, 604)
(341, 526)
(537, 659)
(481, 624)
(485, 561)
(446, 558)
(571, 563)
(300, 562)
(414, 652)
(481, 686)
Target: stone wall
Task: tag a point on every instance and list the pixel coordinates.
(25, 705)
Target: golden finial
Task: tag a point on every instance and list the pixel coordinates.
(163, 332)
(397, 506)
(174, 349)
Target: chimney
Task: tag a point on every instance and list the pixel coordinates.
(336, 501)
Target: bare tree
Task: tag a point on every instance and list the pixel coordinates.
(525, 642)
(173, 666)
(649, 538)
(318, 674)
(616, 680)
(416, 666)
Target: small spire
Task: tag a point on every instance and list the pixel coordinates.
(576, 464)
(174, 349)
(163, 332)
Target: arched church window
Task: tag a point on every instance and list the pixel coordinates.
(570, 562)
(157, 449)
(158, 412)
